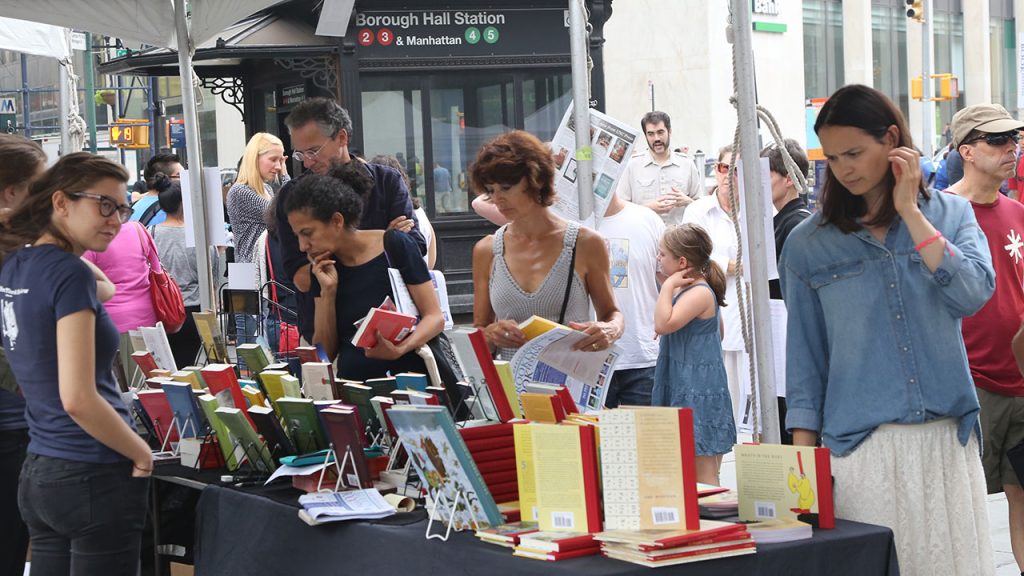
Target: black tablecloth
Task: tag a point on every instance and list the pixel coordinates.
(247, 534)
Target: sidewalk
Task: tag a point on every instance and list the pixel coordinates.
(997, 517)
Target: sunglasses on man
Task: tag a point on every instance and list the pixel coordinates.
(997, 140)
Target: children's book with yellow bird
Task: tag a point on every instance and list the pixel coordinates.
(785, 483)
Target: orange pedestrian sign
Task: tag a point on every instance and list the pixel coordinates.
(127, 133)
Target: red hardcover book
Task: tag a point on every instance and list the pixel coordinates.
(507, 497)
(223, 384)
(684, 553)
(494, 479)
(471, 433)
(558, 541)
(146, 362)
(486, 444)
(308, 354)
(591, 478)
(507, 487)
(688, 456)
(154, 402)
(342, 427)
(555, 556)
(493, 380)
(495, 466)
(691, 538)
(492, 455)
(394, 326)
(826, 510)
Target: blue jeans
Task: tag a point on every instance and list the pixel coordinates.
(83, 518)
(630, 387)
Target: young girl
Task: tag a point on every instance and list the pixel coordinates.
(690, 372)
(84, 485)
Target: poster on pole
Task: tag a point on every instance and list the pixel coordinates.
(612, 143)
(214, 208)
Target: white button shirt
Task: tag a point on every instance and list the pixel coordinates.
(645, 180)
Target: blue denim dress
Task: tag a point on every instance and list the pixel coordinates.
(690, 374)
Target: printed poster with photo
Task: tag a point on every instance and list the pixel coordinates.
(612, 145)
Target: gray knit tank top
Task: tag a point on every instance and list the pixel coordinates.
(510, 302)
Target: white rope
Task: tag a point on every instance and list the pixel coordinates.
(76, 124)
(742, 291)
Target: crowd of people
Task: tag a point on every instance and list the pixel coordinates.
(904, 306)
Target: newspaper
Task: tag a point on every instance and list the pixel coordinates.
(405, 304)
(611, 145)
(550, 359)
(349, 505)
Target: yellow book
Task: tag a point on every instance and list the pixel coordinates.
(782, 482)
(541, 408)
(159, 373)
(254, 396)
(508, 384)
(280, 384)
(188, 377)
(523, 434)
(566, 476)
(535, 326)
(211, 336)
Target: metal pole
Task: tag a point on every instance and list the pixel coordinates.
(927, 86)
(581, 108)
(26, 99)
(753, 210)
(195, 158)
(64, 80)
(90, 92)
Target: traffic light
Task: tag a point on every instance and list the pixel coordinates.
(915, 10)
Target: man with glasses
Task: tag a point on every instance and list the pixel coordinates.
(660, 179)
(320, 131)
(986, 137)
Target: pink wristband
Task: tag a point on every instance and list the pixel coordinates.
(925, 243)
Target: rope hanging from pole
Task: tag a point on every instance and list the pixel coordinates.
(77, 127)
(799, 179)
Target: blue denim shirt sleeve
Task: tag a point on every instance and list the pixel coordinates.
(806, 347)
(965, 277)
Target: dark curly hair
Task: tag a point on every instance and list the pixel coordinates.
(323, 197)
(354, 174)
(170, 198)
(512, 157)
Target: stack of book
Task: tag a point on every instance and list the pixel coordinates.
(654, 548)
(493, 448)
(506, 535)
(719, 505)
(554, 546)
(771, 531)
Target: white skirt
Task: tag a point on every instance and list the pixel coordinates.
(919, 481)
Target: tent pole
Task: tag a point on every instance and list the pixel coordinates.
(195, 159)
(65, 106)
(753, 208)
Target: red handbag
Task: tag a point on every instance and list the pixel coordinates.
(288, 334)
(166, 294)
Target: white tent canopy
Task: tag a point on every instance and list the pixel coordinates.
(33, 38)
(157, 23)
(145, 21)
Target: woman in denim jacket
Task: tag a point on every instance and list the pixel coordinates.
(876, 284)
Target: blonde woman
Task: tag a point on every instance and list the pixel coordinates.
(248, 199)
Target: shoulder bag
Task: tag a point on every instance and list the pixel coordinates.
(165, 293)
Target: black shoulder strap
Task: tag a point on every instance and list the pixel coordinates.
(151, 211)
(568, 284)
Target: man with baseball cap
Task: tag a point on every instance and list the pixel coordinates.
(986, 137)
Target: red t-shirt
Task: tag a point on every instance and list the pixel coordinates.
(988, 333)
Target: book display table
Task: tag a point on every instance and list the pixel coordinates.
(245, 533)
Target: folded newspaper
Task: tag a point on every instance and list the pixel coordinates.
(323, 507)
(549, 358)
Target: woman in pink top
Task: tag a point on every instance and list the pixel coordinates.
(126, 262)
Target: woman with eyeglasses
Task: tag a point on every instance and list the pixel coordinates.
(127, 261)
(84, 485)
(876, 284)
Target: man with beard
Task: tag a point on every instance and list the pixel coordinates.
(660, 179)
